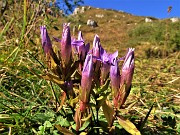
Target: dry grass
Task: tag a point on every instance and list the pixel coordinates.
(156, 80)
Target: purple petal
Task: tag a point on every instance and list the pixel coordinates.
(129, 59)
(88, 65)
(66, 50)
(84, 51)
(114, 71)
(86, 80)
(112, 58)
(115, 77)
(128, 69)
(87, 47)
(90, 51)
(46, 42)
(96, 46)
(96, 41)
(77, 43)
(126, 78)
(104, 56)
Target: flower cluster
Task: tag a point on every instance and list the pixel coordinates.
(89, 68)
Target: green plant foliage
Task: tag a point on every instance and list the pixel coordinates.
(31, 97)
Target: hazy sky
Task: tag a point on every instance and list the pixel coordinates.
(154, 8)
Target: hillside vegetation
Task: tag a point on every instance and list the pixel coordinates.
(27, 103)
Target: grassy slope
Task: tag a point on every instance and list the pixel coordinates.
(155, 79)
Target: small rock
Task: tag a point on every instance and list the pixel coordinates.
(92, 23)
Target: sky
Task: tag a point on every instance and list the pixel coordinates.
(152, 8)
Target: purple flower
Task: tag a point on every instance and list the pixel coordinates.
(96, 47)
(112, 58)
(104, 72)
(81, 49)
(66, 50)
(46, 42)
(86, 80)
(96, 50)
(104, 56)
(128, 68)
(127, 75)
(107, 61)
(80, 46)
(115, 77)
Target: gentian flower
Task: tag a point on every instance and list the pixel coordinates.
(46, 42)
(105, 68)
(127, 75)
(96, 53)
(115, 78)
(112, 58)
(81, 49)
(47, 47)
(86, 81)
(96, 47)
(80, 46)
(66, 50)
(107, 61)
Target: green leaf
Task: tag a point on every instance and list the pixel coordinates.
(128, 126)
(63, 130)
(87, 118)
(102, 98)
(41, 130)
(85, 125)
(62, 121)
(73, 68)
(104, 87)
(74, 126)
(83, 133)
(55, 132)
(74, 101)
(47, 124)
(178, 128)
(42, 117)
(108, 111)
(49, 77)
(52, 78)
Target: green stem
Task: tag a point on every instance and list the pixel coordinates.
(97, 116)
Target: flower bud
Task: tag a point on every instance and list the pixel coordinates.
(46, 42)
(66, 50)
(96, 47)
(106, 64)
(86, 81)
(81, 49)
(127, 75)
(115, 77)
